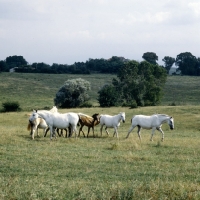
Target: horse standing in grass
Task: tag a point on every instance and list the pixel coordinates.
(151, 122)
(39, 123)
(90, 122)
(112, 122)
(34, 125)
(57, 120)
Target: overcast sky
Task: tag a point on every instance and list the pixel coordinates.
(68, 31)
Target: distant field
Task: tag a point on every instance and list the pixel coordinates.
(182, 90)
(38, 90)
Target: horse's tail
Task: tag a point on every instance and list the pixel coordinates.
(79, 120)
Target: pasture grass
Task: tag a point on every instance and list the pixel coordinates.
(102, 167)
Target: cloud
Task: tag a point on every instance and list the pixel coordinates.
(66, 31)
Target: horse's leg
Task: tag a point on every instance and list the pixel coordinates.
(101, 129)
(80, 130)
(73, 129)
(153, 130)
(89, 131)
(159, 129)
(54, 132)
(131, 128)
(70, 131)
(57, 130)
(32, 133)
(51, 132)
(46, 131)
(139, 128)
(115, 128)
(92, 130)
(106, 130)
(65, 132)
(37, 132)
(34, 128)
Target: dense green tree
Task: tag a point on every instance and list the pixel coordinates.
(150, 57)
(15, 61)
(3, 66)
(73, 93)
(108, 96)
(140, 82)
(188, 64)
(169, 61)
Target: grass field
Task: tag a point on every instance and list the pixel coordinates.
(100, 167)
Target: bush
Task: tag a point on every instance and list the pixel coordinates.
(108, 96)
(73, 93)
(11, 106)
(86, 104)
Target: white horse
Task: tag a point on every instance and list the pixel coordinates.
(39, 123)
(57, 120)
(111, 122)
(151, 122)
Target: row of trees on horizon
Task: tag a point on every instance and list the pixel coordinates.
(187, 63)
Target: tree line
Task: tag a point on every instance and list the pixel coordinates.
(187, 63)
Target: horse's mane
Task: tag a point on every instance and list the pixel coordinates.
(162, 115)
(54, 109)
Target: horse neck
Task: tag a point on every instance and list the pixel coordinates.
(118, 117)
(43, 115)
(164, 118)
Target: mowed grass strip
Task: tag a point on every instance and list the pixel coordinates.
(102, 167)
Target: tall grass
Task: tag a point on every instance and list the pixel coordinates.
(102, 167)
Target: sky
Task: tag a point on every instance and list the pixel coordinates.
(69, 31)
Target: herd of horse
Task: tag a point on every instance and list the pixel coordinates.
(59, 122)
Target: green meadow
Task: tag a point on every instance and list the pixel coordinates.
(101, 167)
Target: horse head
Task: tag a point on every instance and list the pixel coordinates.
(96, 117)
(171, 123)
(34, 116)
(123, 116)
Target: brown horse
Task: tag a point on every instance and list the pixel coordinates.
(90, 122)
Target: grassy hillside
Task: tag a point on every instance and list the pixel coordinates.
(38, 90)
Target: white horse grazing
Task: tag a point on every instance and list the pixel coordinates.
(39, 123)
(111, 122)
(151, 122)
(57, 120)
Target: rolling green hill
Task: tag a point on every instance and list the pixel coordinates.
(38, 90)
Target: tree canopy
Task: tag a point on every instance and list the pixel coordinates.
(169, 61)
(188, 64)
(138, 83)
(150, 57)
